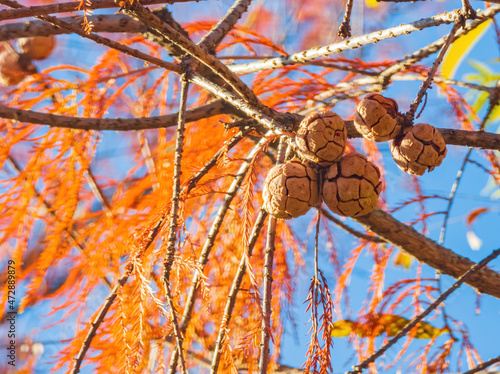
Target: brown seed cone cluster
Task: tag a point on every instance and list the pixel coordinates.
(37, 47)
(290, 190)
(352, 186)
(377, 118)
(14, 67)
(420, 148)
(322, 137)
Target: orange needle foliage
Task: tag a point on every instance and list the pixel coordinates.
(85, 213)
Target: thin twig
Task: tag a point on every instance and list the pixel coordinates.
(235, 287)
(410, 115)
(209, 242)
(268, 280)
(77, 362)
(405, 330)
(97, 190)
(483, 366)
(493, 102)
(172, 237)
(355, 42)
(451, 198)
(345, 26)
(211, 40)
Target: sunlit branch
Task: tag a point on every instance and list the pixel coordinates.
(211, 40)
(410, 115)
(382, 79)
(472, 86)
(210, 240)
(42, 10)
(172, 233)
(235, 287)
(220, 69)
(101, 40)
(239, 104)
(350, 230)
(405, 330)
(268, 280)
(429, 252)
(355, 42)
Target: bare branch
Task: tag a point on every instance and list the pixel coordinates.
(112, 23)
(212, 235)
(235, 287)
(172, 233)
(211, 40)
(429, 252)
(42, 10)
(410, 115)
(214, 108)
(220, 69)
(268, 280)
(352, 43)
(405, 330)
(101, 40)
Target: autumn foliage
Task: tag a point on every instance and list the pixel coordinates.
(134, 158)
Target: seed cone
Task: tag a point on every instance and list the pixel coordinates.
(322, 137)
(14, 67)
(290, 190)
(420, 148)
(38, 47)
(377, 118)
(352, 186)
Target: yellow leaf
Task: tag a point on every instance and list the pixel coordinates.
(372, 3)
(460, 48)
(390, 324)
(341, 329)
(403, 259)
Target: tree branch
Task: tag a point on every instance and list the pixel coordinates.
(42, 10)
(214, 108)
(100, 40)
(235, 287)
(209, 242)
(211, 40)
(172, 233)
(113, 23)
(220, 69)
(429, 252)
(352, 43)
